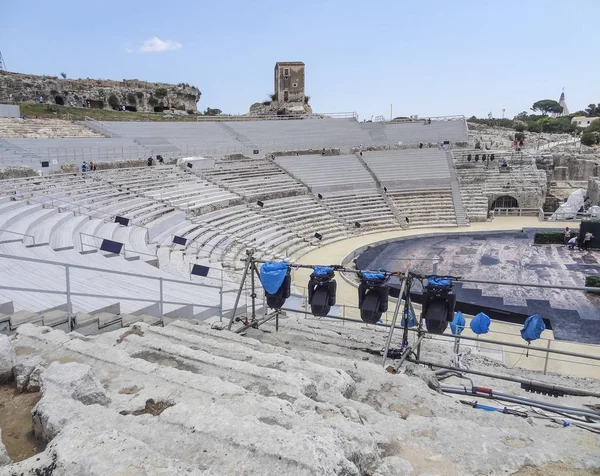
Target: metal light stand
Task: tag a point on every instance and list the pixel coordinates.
(249, 263)
(394, 319)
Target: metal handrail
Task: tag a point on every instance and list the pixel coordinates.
(109, 271)
(20, 234)
(125, 250)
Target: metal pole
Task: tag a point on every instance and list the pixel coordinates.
(69, 304)
(394, 319)
(160, 280)
(239, 294)
(547, 355)
(568, 390)
(253, 295)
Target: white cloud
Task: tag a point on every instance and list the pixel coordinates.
(155, 45)
(128, 50)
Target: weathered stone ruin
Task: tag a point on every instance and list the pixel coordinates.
(133, 94)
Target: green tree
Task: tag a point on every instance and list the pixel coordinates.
(113, 100)
(212, 112)
(546, 106)
(593, 110)
(520, 136)
(160, 92)
(522, 116)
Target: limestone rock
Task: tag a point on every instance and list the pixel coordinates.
(280, 108)
(74, 380)
(24, 369)
(4, 458)
(424, 374)
(8, 358)
(103, 94)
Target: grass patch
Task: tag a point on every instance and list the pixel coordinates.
(592, 281)
(79, 113)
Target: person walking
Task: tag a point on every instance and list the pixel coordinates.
(587, 239)
(567, 233)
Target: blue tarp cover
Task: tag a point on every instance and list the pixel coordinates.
(373, 276)
(411, 318)
(322, 270)
(533, 328)
(458, 323)
(439, 281)
(480, 324)
(272, 275)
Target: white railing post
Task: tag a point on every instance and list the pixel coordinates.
(161, 303)
(547, 356)
(69, 304)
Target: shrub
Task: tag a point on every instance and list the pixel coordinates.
(592, 281)
(113, 100)
(534, 127)
(520, 136)
(273, 96)
(520, 126)
(306, 99)
(160, 92)
(552, 237)
(140, 95)
(153, 101)
(191, 112)
(590, 138)
(266, 103)
(131, 98)
(52, 108)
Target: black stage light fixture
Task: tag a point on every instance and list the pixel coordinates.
(321, 290)
(320, 196)
(260, 204)
(179, 240)
(476, 157)
(385, 189)
(122, 220)
(372, 296)
(438, 304)
(469, 158)
(492, 157)
(199, 270)
(45, 164)
(318, 236)
(189, 165)
(277, 300)
(483, 157)
(256, 151)
(357, 224)
(111, 246)
(446, 142)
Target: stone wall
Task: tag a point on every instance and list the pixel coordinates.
(594, 191)
(131, 93)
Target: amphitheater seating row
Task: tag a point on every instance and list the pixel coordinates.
(253, 179)
(328, 173)
(42, 129)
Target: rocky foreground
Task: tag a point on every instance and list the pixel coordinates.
(307, 400)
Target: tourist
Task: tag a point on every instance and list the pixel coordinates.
(572, 242)
(587, 240)
(567, 233)
(40, 99)
(84, 167)
(420, 145)
(160, 159)
(150, 161)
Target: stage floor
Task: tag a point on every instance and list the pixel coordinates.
(574, 315)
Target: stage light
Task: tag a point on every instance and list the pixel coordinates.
(483, 157)
(476, 157)
(492, 157)
(438, 304)
(469, 158)
(321, 290)
(372, 296)
(357, 224)
(318, 236)
(320, 196)
(277, 282)
(260, 204)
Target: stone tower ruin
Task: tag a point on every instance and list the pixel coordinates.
(289, 81)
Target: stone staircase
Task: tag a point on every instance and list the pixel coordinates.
(461, 214)
(398, 214)
(158, 145)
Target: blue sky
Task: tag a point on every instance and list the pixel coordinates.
(428, 57)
